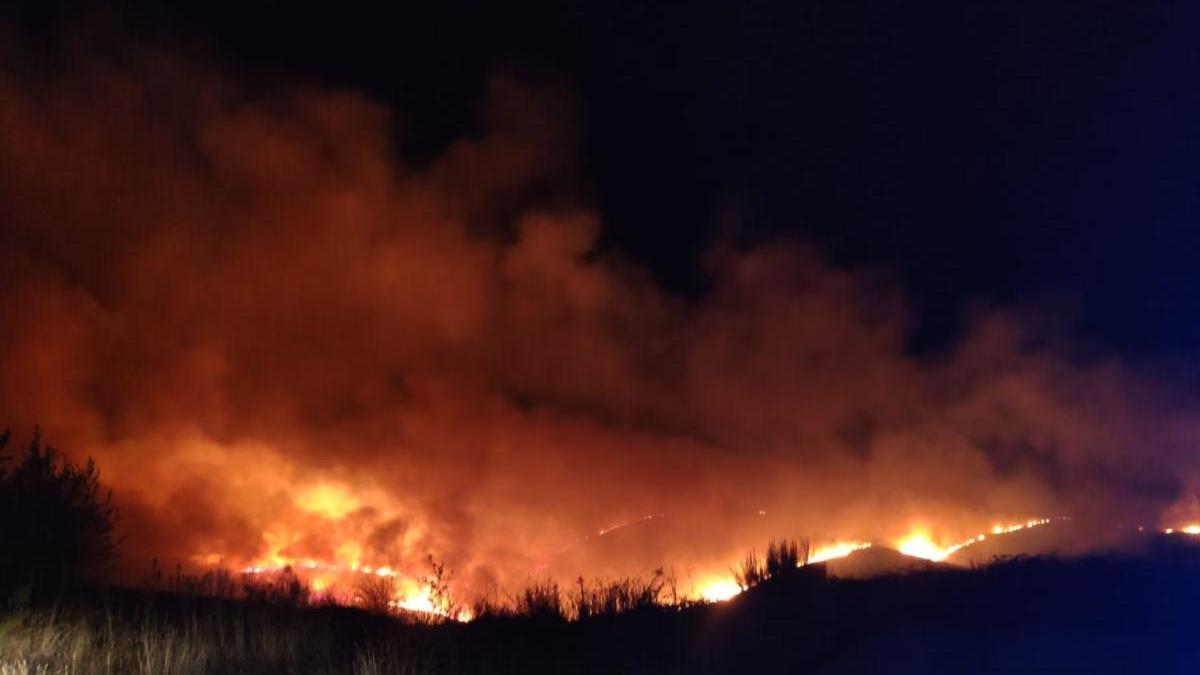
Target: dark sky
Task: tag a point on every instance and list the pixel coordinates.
(994, 153)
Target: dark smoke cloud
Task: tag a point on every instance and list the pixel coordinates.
(276, 335)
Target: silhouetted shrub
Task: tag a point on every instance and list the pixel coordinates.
(785, 555)
(540, 600)
(750, 572)
(375, 593)
(277, 588)
(489, 607)
(439, 582)
(56, 521)
(609, 598)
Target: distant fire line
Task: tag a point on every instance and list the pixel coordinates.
(612, 528)
(918, 543)
(416, 597)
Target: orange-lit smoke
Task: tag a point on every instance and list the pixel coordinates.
(286, 344)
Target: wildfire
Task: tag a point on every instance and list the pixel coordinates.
(1191, 528)
(330, 501)
(414, 595)
(410, 594)
(920, 544)
(422, 601)
(838, 549)
(719, 590)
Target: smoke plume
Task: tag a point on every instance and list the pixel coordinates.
(283, 341)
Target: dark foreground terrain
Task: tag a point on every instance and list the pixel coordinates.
(1108, 614)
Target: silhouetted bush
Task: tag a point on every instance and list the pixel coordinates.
(609, 598)
(56, 521)
(784, 556)
(277, 588)
(218, 583)
(439, 581)
(489, 607)
(750, 572)
(540, 600)
(375, 593)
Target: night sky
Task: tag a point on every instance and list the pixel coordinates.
(1036, 153)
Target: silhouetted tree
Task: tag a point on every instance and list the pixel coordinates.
(56, 521)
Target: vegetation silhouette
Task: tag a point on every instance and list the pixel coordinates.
(56, 522)
(1111, 613)
(375, 593)
(784, 557)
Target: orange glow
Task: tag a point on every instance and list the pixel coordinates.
(417, 602)
(838, 549)
(413, 595)
(719, 590)
(330, 501)
(920, 544)
(300, 349)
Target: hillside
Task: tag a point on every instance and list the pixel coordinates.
(876, 561)
(1106, 614)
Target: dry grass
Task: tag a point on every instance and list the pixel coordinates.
(783, 557)
(219, 624)
(213, 642)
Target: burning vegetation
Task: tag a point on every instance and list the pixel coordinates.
(296, 351)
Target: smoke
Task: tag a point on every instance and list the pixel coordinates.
(283, 341)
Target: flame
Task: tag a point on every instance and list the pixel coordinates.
(328, 500)
(920, 544)
(838, 549)
(421, 601)
(416, 596)
(719, 590)
(412, 595)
